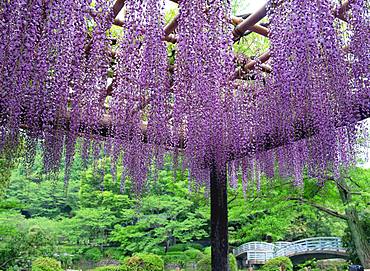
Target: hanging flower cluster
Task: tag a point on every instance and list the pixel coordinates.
(359, 52)
(309, 95)
(203, 70)
(53, 76)
(141, 95)
(53, 68)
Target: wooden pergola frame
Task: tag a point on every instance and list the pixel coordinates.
(241, 27)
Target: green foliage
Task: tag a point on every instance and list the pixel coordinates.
(113, 253)
(166, 217)
(309, 264)
(270, 215)
(181, 254)
(332, 265)
(178, 258)
(46, 264)
(110, 268)
(276, 263)
(232, 263)
(144, 262)
(9, 158)
(161, 219)
(208, 251)
(324, 265)
(205, 264)
(23, 240)
(194, 254)
(93, 254)
(183, 247)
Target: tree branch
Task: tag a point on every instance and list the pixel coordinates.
(320, 207)
(233, 198)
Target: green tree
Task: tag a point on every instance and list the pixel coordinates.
(160, 221)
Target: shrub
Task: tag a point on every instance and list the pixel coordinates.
(156, 250)
(178, 258)
(194, 254)
(113, 253)
(184, 247)
(308, 265)
(332, 265)
(276, 263)
(46, 264)
(93, 254)
(205, 263)
(208, 251)
(109, 268)
(144, 262)
(178, 247)
(195, 246)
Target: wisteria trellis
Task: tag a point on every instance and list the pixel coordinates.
(54, 58)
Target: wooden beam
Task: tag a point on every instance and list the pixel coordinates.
(242, 25)
(250, 22)
(118, 5)
(341, 13)
(262, 59)
(172, 25)
(168, 29)
(259, 29)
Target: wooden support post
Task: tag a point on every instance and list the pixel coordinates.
(219, 234)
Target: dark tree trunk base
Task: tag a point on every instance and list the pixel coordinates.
(219, 234)
(357, 231)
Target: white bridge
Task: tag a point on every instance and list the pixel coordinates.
(318, 247)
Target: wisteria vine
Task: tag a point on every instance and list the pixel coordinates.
(54, 62)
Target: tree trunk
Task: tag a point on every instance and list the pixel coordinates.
(219, 234)
(357, 231)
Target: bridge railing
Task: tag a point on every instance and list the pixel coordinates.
(261, 247)
(311, 244)
(279, 245)
(260, 256)
(262, 251)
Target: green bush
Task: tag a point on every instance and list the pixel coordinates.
(109, 268)
(332, 265)
(179, 258)
(157, 250)
(178, 247)
(46, 264)
(309, 264)
(195, 246)
(205, 264)
(276, 263)
(184, 247)
(113, 253)
(93, 254)
(144, 262)
(208, 251)
(194, 254)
